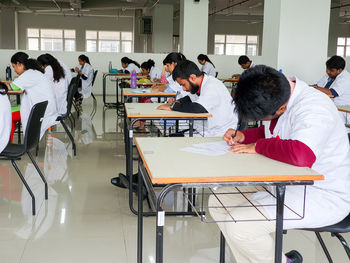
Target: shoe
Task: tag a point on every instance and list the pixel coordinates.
(294, 257)
(116, 181)
(125, 181)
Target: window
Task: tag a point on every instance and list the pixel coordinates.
(51, 39)
(236, 45)
(343, 46)
(108, 41)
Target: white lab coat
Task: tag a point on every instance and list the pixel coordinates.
(314, 120)
(175, 86)
(209, 69)
(131, 67)
(67, 72)
(155, 73)
(37, 89)
(216, 99)
(86, 84)
(341, 85)
(60, 88)
(5, 121)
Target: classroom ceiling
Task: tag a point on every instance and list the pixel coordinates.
(221, 8)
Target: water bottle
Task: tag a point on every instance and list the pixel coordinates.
(8, 73)
(133, 84)
(110, 66)
(280, 70)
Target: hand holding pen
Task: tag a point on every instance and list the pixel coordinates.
(232, 137)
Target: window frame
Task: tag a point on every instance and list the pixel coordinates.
(225, 44)
(119, 41)
(40, 37)
(345, 46)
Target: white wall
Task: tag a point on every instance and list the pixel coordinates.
(162, 35)
(80, 24)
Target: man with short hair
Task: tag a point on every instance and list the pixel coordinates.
(245, 62)
(301, 127)
(336, 83)
(213, 97)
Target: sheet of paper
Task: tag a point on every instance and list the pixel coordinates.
(210, 148)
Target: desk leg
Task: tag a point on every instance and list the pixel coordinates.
(280, 193)
(129, 171)
(139, 219)
(191, 128)
(222, 248)
(104, 89)
(116, 93)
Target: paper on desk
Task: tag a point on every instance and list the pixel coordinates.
(209, 148)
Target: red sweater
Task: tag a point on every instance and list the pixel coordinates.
(288, 151)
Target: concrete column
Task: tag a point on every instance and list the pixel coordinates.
(194, 27)
(8, 29)
(296, 37)
(162, 28)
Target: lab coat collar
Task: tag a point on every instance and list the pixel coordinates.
(204, 80)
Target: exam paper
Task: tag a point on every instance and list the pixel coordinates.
(209, 148)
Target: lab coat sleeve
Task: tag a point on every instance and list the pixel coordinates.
(341, 86)
(5, 120)
(24, 82)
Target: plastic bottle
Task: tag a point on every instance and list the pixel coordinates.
(133, 84)
(110, 66)
(8, 73)
(280, 70)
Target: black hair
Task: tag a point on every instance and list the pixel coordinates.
(205, 57)
(148, 64)
(260, 92)
(184, 69)
(174, 57)
(127, 60)
(335, 62)
(243, 60)
(85, 59)
(49, 60)
(29, 63)
(3, 88)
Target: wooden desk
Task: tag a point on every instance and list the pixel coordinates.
(148, 111)
(232, 80)
(145, 84)
(345, 109)
(145, 93)
(203, 171)
(118, 77)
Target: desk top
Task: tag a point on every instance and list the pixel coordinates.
(146, 93)
(127, 76)
(14, 92)
(344, 108)
(166, 163)
(229, 79)
(148, 84)
(149, 110)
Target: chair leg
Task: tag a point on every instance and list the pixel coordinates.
(343, 242)
(70, 137)
(71, 123)
(25, 185)
(323, 245)
(37, 150)
(40, 173)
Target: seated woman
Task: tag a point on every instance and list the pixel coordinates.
(36, 88)
(148, 69)
(129, 66)
(86, 73)
(55, 73)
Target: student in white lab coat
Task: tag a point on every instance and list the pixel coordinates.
(245, 63)
(148, 69)
(67, 72)
(129, 66)
(36, 87)
(86, 73)
(55, 73)
(213, 98)
(207, 66)
(5, 117)
(293, 113)
(171, 86)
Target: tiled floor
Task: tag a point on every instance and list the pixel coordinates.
(86, 219)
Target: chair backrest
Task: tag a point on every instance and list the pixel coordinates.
(72, 89)
(216, 75)
(93, 79)
(32, 132)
